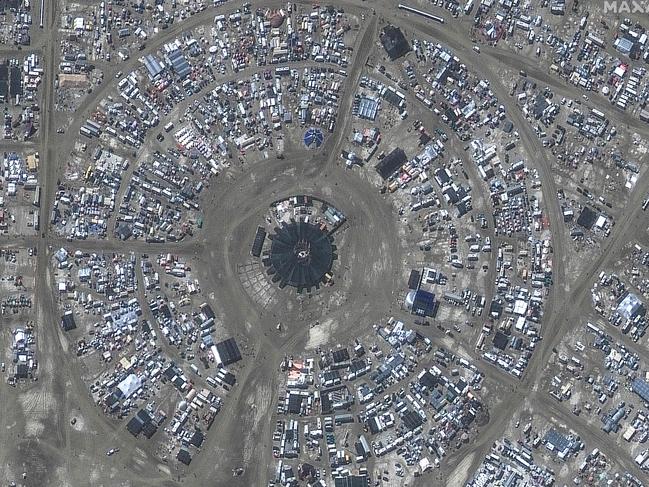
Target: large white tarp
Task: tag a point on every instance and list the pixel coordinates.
(129, 385)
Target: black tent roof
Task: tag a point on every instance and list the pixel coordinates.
(427, 379)
(301, 254)
(340, 355)
(149, 429)
(258, 242)
(144, 416)
(207, 309)
(135, 426)
(197, 439)
(412, 420)
(500, 340)
(294, 403)
(587, 218)
(351, 481)
(170, 371)
(414, 279)
(184, 456)
(164, 309)
(228, 351)
(229, 378)
(307, 470)
(394, 42)
(22, 371)
(124, 231)
(111, 400)
(67, 322)
(390, 163)
(326, 404)
(424, 303)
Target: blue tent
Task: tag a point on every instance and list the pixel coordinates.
(424, 303)
(313, 137)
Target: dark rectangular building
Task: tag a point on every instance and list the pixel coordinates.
(258, 243)
(228, 351)
(390, 163)
(394, 42)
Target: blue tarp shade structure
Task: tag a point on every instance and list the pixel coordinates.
(559, 442)
(368, 107)
(424, 303)
(313, 137)
(641, 388)
(179, 63)
(153, 65)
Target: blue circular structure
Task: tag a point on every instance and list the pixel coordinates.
(313, 138)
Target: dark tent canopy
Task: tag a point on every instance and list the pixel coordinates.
(390, 163)
(394, 42)
(228, 351)
(587, 218)
(301, 254)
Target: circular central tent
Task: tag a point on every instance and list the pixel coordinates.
(301, 254)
